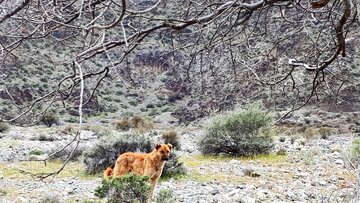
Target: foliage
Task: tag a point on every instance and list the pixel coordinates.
(165, 196)
(171, 137)
(135, 122)
(122, 124)
(107, 150)
(50, 118)
(309, 133)
(173, 167)
(237, 133)
(44, 137)
(324, 132)
(36, 152)
(3, 127)
(126, 189)
(50, 199)
(355, 151)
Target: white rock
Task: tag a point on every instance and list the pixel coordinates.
(339, 162)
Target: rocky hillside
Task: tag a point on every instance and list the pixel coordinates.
(154, 79)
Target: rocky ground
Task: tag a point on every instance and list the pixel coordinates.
(312, 170)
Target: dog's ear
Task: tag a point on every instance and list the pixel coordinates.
(157, 146)
(170, 146)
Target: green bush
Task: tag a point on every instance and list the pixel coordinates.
(324, 132)
(165, 196)
(49, 118)
(126, 189)
(237, 133)
(50, 199)
(355, 151)
(107, 150)
(173, 167)
(171, 137)
(3, 127)
(36, 152)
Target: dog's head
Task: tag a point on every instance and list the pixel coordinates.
(164, 151)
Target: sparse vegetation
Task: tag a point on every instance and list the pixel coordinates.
(309, 133)
(324, 132)
(165, 196)
(36, 152)
(126, 189)
(172, 137)
(237, 133)
(50, 199)
(3, 192)
(50, 118)
(3, 127)
(355, 151)
(43, 137)
(281, 152)
(173, 167)
(135, 122)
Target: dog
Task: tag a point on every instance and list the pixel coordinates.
(150, 164)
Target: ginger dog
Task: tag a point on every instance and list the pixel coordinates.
(150, 164)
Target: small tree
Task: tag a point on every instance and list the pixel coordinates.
(237, 133)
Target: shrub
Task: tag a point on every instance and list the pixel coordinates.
(36, 152)
(68, 129)
(324, 132)
(171, 137)
(3, 127)
(173, 167)
(281, 152)
(107, 150)
(237, 133)
(165, 196)
(309, 133)
(355, 151)
(50, 199)
(72, 120)
(282, 139)
(49, 118)
(126, 189)
(136, 122)
(293, 139)
(122, 124)
(43, 137)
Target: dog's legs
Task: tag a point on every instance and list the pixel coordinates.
(153, 180)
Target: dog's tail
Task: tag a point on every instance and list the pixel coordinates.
(108, 172)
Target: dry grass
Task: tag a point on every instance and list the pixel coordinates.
(135, 122)
(16, 170)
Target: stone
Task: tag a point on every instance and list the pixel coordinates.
(214, 191)
(339, 162)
